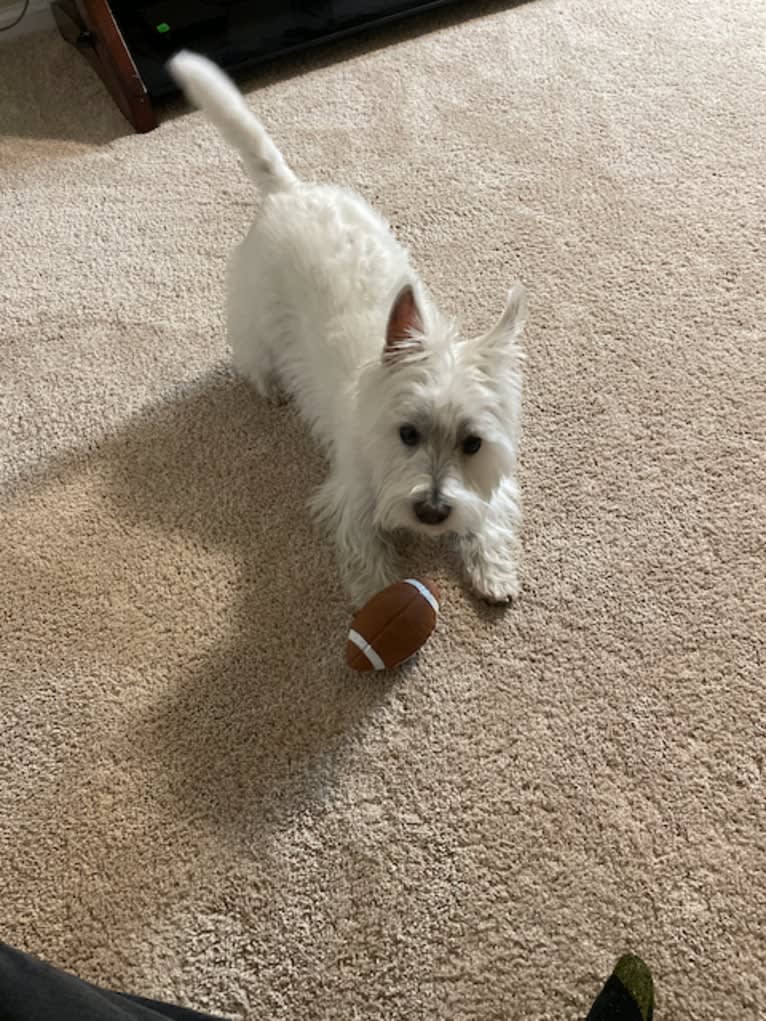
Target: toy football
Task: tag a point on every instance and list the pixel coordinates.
(392, 626)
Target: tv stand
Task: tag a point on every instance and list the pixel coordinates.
(90, 27)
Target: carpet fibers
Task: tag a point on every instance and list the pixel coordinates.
(197, 801)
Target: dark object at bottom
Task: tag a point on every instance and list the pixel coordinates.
(31, 990)
(628, 994)
(129, 41)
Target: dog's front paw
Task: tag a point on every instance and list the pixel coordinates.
(495, 587)
(491, 575)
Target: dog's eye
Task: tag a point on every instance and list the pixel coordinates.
(409, 435)
(471, 444)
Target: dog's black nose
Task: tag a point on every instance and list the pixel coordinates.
(432, 513)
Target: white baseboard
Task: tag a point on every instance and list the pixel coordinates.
(37, 19)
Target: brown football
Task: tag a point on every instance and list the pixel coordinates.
(393, 625)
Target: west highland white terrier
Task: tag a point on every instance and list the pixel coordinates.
(420, 425)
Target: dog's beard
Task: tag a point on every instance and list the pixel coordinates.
(403, 480)
(395, 500)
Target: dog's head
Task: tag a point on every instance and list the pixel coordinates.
(439, 416)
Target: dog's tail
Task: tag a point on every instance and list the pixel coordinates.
(215, 94)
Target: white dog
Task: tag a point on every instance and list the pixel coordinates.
(420, 426)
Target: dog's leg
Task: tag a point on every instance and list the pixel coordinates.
(253, 360)
(366, 557)
(251, 327)
(367, 563)
(492, 555)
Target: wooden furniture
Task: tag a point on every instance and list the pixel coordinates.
(89, 26)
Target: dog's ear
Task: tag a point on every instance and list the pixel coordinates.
(404, 332)
(510, 325)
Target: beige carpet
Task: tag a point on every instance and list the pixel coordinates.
(198, 802)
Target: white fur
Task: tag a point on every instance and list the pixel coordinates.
(324, 304)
